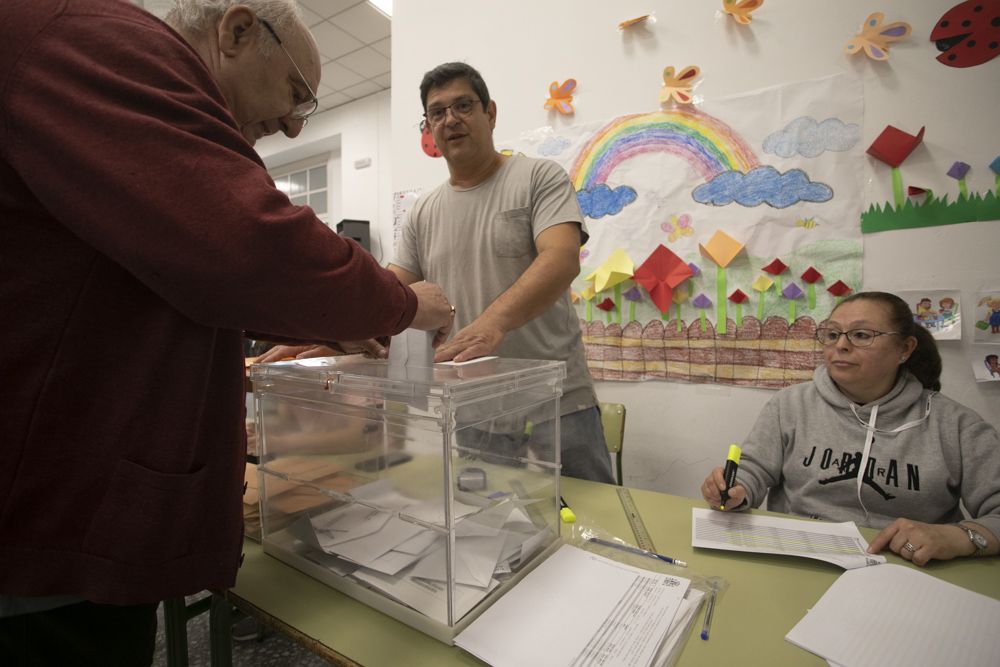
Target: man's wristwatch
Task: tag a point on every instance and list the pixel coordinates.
(976, 538)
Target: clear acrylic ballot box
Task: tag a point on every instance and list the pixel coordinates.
(424, 492)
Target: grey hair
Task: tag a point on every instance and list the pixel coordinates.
(199, 16)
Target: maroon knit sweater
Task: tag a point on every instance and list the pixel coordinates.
(140, 235)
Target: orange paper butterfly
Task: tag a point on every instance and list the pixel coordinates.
(678, 86)
(874, 37)
(561, 97)
(741, 9)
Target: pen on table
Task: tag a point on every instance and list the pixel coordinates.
(565, 513)
(709, 610)
(637, 550)
(729, 472)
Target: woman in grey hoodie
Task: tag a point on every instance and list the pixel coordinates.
(874, 406)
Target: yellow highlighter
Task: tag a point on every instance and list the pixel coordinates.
(729, 472)
(565, 513)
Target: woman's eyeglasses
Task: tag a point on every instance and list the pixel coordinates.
(857, 337)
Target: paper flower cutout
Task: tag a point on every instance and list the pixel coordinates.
(893, 145)
(677, 87)
(839, 289)
(574, 297)
(792, 291)
(588, 293)
(616, 269)
(914, 192)
(660, 274)
(811, 275)
(701, 301)
(775, 268)
(695, 270)
(607, 305)
(721, 248)
(874, 38)
(632, 294)
(959, 170)
(741, 10)
(762, 284)
(738, 297)
(995, 165)
(561, 97)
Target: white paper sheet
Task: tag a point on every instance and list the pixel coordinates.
(476, 559)
(680, 628)
(896, 615)
(585, 610)
(837, 543)
(427, 597)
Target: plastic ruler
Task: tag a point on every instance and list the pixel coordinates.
(642, 538)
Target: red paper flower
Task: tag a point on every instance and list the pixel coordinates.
(738, 297)
(839, 288)
(893, 145)
(775, 268)
(607, 305)
(811, 275)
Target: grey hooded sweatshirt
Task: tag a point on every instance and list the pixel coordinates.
(807, 445)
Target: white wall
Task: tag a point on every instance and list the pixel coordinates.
(675, 433)
(356, 131)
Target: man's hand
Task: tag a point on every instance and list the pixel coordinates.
(476, 340)
(433, 311)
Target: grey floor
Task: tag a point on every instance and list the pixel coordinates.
(275, 650)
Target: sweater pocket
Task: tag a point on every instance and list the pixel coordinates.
(146, 517)
(512, 233)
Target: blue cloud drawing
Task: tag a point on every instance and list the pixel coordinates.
(762, 185)
(553, 146)
(804, 136)
(601, 200)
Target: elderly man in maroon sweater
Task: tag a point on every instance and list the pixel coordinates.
(140, 236)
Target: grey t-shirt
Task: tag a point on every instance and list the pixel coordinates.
(477, 242)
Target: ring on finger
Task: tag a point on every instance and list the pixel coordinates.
(909, 547)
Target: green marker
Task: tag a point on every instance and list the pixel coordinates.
(729, 473)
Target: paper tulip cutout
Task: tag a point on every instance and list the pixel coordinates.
(776, 268)
(791, 292)
(762, 284)
(702, 302)
(839, 289)
(615, 270)
(958, 172)
(739, 298)
(892, 147)
(660, 274)
(721, 249)
(632, 295)
(810, 278)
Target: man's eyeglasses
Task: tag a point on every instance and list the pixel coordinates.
(857, 337)
(460, 108)
(303, 110)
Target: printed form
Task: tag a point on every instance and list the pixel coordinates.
(837, 543)
(585, 610)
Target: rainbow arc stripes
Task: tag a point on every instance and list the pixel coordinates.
(704, 142)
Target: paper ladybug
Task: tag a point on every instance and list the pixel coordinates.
(968, 34)
(427, 141)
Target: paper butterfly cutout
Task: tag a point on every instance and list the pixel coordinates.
(678, 86)
(741, 9)
(631, 22)
(677, 227)
(874, 37)
(561, 97)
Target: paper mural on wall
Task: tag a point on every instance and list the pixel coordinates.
(689, 209)
(938, 311)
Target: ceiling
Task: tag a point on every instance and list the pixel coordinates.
(354, 44)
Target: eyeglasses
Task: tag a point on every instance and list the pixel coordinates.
(303, 110)
(857, 337)
(460, 108)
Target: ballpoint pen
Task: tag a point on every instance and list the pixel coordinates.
(709, 610)
(637, 550)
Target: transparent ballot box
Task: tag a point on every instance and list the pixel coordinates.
(424, 492)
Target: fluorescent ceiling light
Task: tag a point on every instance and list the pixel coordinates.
(384, 6)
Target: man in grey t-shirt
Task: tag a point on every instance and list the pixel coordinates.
(502, 237)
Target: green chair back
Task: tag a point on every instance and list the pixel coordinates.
(613, 420)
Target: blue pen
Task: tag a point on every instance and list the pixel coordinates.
(637, 550)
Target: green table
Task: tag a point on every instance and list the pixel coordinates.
(767, 594)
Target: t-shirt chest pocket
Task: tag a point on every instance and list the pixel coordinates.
(512, 233)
